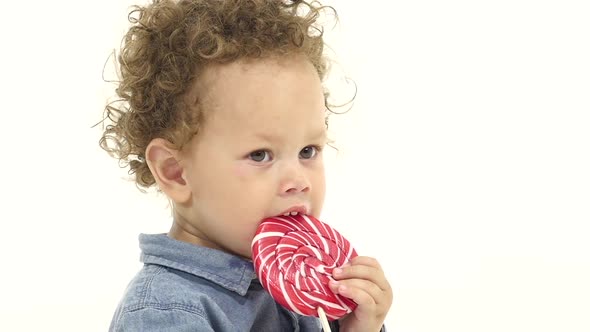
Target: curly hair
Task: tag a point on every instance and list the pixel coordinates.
(168, 45)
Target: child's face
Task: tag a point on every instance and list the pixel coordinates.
(258, 153)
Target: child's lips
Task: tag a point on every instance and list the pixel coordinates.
(294, 210)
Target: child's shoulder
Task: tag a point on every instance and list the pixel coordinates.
(160, 296)
(162, 287)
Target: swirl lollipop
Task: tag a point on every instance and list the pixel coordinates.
(294, 257)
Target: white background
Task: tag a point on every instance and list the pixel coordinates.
(463, 166)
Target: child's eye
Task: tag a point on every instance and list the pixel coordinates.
(309, 152)
(260, 156)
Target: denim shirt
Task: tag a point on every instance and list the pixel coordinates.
(184, 287)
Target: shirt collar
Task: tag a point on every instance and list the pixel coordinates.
(229, 271)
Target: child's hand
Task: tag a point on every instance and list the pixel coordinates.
(363, 281)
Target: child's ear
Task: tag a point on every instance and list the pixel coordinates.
(163, 161)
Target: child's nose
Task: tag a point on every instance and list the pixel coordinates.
(294, 180)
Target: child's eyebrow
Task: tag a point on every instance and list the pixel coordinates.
(317, 135)
(267, 137)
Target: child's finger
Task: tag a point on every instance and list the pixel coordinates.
(365, 260)
(367, 269)
(350, 288)
(356, 291)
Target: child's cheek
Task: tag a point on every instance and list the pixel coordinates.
(248, 171)
(242, 170)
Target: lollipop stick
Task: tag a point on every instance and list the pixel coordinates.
(324, 320)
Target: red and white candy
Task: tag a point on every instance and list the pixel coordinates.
(294, 257)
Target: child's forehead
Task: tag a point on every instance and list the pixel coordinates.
(266, 97)
(257, 81)
(253, 68)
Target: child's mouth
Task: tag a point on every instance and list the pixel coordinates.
(294, 213)
(295, 210)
